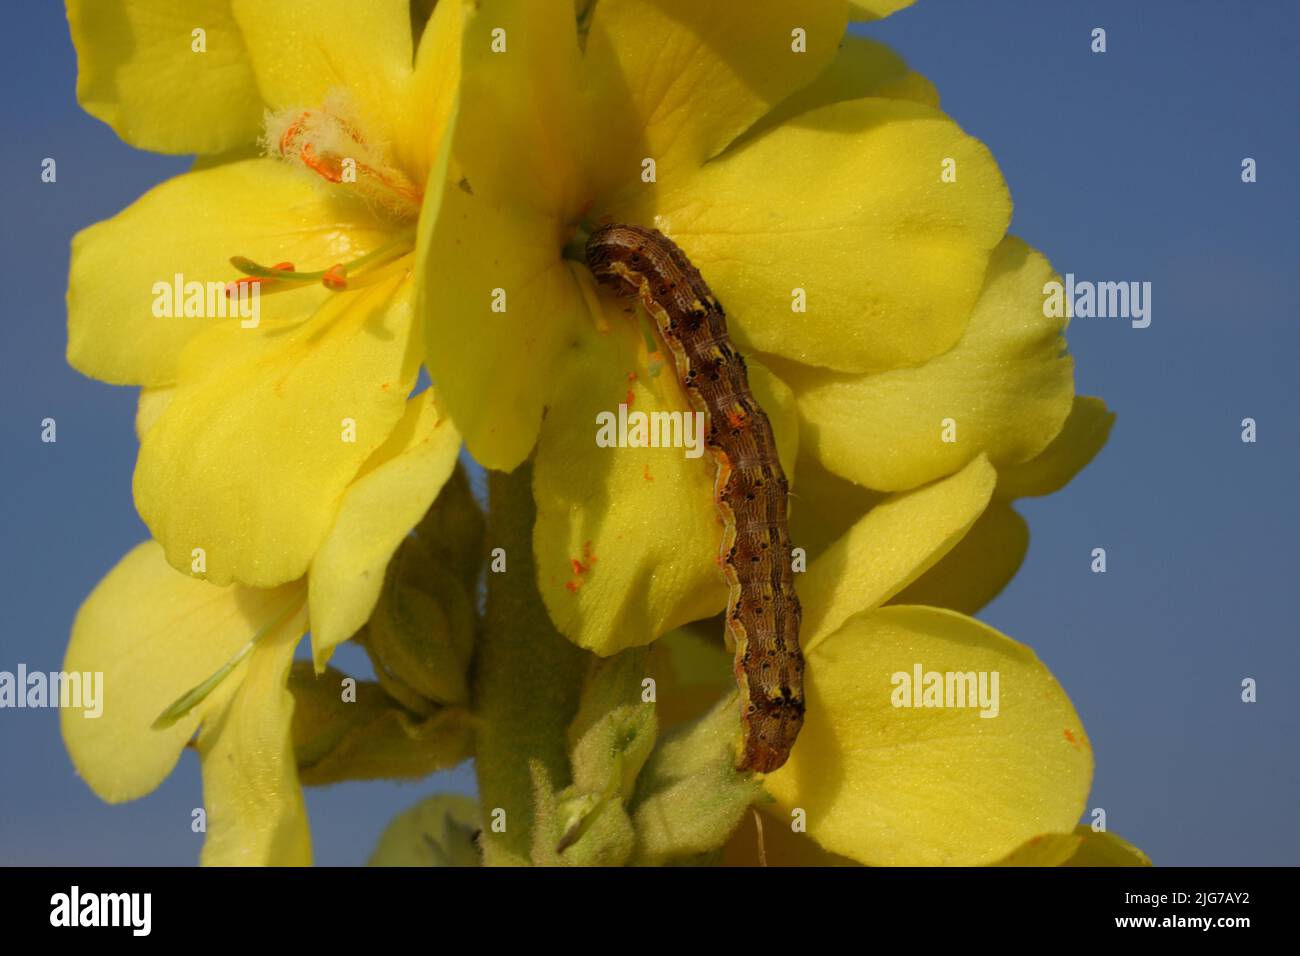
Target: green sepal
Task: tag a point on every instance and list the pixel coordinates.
(575, 828)
(690, 797)
(372, 737)
(421, 632)
(441, 830)
(453, 530)
(614, 731)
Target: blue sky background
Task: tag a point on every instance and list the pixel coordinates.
(1123, 166)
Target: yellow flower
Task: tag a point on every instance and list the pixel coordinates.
(875, 9)
(781, 174)
(258, 425)
(1083, 846)
(881, 784)
(161, 637)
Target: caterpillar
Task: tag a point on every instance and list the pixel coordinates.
(750, 488)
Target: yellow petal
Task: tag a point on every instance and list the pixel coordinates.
(978, 567)
(190, 226)
(390, 495)
(150, 406)
(986, 559)
(825, 506)
(1082, 847)
(692, 672)
(1048, 849)
(153, 634)
(627, 539)
(512, 185)
(431, 96)
(137, 70)
(258, 485)
(1005, 390)
(889, 548)
(861, 68)
(677, 80)
(768, 840)
(885, 259)
(302, 51)
(876, 9)
(1105, 849)
(255, 810)
(1080, 439)
(891, 786)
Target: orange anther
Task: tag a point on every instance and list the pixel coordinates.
(291, 132)
(328, 167)
(233, 287)
(335, 278)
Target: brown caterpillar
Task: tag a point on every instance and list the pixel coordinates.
(750, 488)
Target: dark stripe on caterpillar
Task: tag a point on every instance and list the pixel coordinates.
(750, 488)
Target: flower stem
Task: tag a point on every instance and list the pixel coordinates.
(527, 679)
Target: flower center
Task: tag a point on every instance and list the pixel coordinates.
(328, 142)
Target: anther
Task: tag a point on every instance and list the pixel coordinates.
(335, 278)
(232, 288)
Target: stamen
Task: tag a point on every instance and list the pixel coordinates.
(335, 278)
(327, 142)
(196, 695)
(250, 280)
